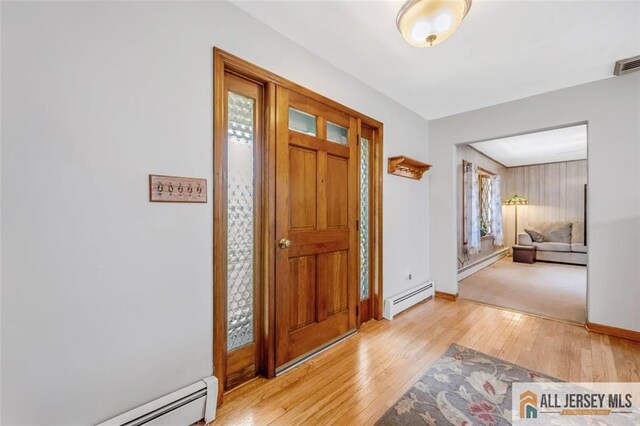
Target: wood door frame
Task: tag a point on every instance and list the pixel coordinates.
(224, 62)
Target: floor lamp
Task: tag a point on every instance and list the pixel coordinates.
(516, 200)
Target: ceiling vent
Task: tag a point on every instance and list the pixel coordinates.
(624, 66)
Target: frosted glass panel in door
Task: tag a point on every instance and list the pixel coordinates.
(337, 134)
(240, 220)
(302, 122)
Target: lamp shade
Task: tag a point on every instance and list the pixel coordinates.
(425, 23)
(516, 200)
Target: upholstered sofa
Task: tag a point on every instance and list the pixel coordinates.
(556, 241)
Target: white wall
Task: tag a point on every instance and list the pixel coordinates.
(612, 109)
(0, 223)
(107, 299)
(555, 193)
(466, 153)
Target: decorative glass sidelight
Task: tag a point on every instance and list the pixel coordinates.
(364, 218)
(240, 220)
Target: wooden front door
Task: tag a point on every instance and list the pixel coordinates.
(316, 225)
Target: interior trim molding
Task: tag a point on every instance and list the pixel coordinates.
(446, 296)
(613, 331)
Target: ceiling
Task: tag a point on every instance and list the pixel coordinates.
(551, 146)
(504, 50)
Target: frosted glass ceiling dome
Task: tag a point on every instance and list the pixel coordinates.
(426, 23)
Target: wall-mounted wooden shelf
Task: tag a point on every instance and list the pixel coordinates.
(407, 167)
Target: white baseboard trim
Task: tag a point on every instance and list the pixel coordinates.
(182, 407)
(481, 264)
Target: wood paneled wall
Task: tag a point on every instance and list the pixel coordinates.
(555, 192)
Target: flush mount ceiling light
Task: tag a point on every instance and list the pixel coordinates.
(425, 23)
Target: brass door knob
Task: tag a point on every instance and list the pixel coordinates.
(284, 243)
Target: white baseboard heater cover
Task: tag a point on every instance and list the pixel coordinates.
(478, 265)
(398, 303)
(182, 407)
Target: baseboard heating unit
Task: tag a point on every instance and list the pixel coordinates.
(476, 266)
(182, 407)
(398, 303)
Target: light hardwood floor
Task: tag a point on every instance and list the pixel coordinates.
(356, 381)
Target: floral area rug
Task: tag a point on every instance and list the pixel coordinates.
(464, 387)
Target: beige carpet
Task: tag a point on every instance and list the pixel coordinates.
(548, 289)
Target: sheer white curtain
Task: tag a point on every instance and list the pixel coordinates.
(496, 209)
(471, 208)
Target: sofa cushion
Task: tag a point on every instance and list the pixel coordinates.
(535, 236)
(577, 233)
(555, 232)
(563, 257)
(551, 246)
(579, 248)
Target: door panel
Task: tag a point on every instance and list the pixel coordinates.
(306, 339)
(332, 271)
(316, 210)
(241, 365)
(302, 273)
(337, 192)
(303, 173)
(309, 243)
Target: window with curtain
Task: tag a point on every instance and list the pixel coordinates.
(486, 204)
(471, 200)
(482, 202)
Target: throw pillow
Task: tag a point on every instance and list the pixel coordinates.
(558, 232)
(555, 232)
(535, 236)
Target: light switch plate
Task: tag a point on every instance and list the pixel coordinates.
(176, 189)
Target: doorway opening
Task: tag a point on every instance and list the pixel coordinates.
(522, 222)
(297, 222)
